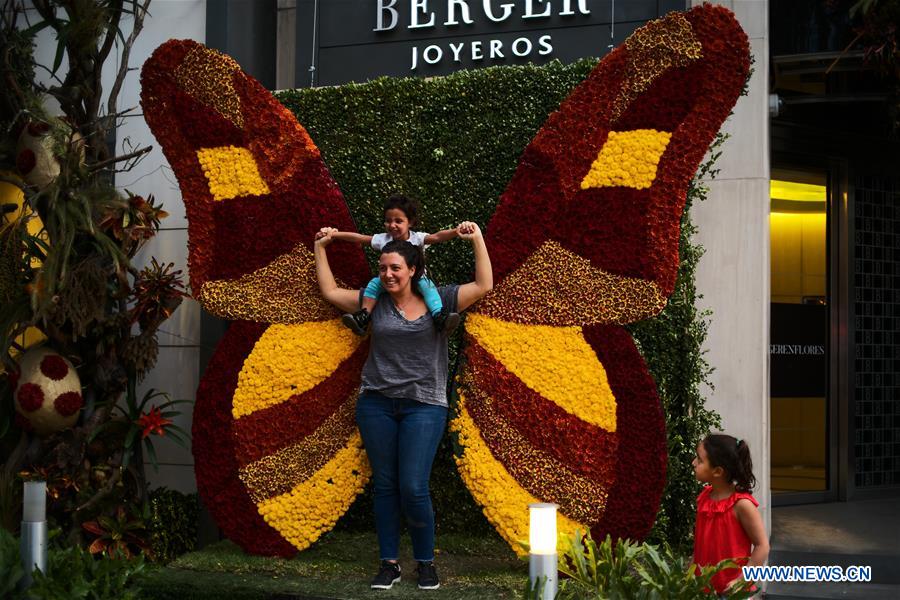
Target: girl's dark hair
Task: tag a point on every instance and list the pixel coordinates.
(413, 256)
(409, 207)
(733, 456)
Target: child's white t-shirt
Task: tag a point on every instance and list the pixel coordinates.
(416, 238)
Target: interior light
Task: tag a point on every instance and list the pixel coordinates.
(798, 192)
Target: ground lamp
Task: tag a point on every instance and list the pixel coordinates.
(542, 541)
(34, 529)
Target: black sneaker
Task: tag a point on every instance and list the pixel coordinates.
(428, 577)
(446, 321)
(358, 322)
(388, 575)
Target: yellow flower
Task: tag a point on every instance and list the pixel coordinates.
(556, 362)
(288, 360)
(628, 158)
(231, 172)
(504, 501)
(314, 506)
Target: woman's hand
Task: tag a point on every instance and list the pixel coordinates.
(345, 300)
(468, 230)
(325, 236)
(471, 292)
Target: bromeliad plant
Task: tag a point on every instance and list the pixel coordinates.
(138, 422)
(628, 570)
(68, 275)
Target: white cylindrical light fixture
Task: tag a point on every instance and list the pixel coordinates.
(34, 501)
(33, 541)
(542, 548)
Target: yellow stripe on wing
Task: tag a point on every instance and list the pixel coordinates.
(288, 360)
(313, 507)
(555, 362)
(505, 502)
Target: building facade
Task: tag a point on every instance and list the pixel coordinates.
(775, 259)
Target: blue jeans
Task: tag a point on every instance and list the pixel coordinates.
(401, 438)
(426, 288)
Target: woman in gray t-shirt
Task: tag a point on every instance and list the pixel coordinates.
(402, 405)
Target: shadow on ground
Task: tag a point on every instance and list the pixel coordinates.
(339, 566)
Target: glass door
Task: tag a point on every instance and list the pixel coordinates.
(799, 347)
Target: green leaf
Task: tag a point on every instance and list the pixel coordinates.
(100, 429)
(36, 28)
(60, 51)
(178, 430)
(129, 437)
(151, 452)
(174, 402)
(11, 571)
(107, 523)
(177, 439)
(150, 395)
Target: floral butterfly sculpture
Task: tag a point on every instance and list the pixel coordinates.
(556, 404)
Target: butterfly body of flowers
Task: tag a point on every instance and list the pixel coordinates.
(556, 403)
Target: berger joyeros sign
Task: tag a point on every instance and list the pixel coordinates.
(359, 40)
(456, 15)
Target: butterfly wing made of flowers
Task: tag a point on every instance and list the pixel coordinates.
(556, 402)
(277, 454)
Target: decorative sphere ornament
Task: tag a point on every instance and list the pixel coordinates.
(40, 146)
(35, 159)
(47, 391)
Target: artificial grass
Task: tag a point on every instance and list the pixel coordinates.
(340, 565)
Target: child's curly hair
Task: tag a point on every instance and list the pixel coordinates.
(409, 207)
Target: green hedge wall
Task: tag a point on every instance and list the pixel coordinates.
(453, 143)
(172, 523)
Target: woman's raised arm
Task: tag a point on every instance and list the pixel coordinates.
(472, 292)
(343, 299)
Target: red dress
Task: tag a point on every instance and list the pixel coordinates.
(718, 535)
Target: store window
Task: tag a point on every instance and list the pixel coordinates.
(799, 331)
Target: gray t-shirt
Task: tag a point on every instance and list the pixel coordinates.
(408, 359)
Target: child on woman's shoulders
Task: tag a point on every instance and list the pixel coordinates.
(400, 214)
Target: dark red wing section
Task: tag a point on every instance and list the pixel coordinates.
(680, 75)
(198, 100)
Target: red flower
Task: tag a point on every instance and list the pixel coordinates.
(68, 404)
(54, 367)
(153, 422)
(25, 161)
(30, 397)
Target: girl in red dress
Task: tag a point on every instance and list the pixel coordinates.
(728, 522)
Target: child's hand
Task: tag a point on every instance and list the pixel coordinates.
(738, 584)
(325, 231)
(468, 230)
